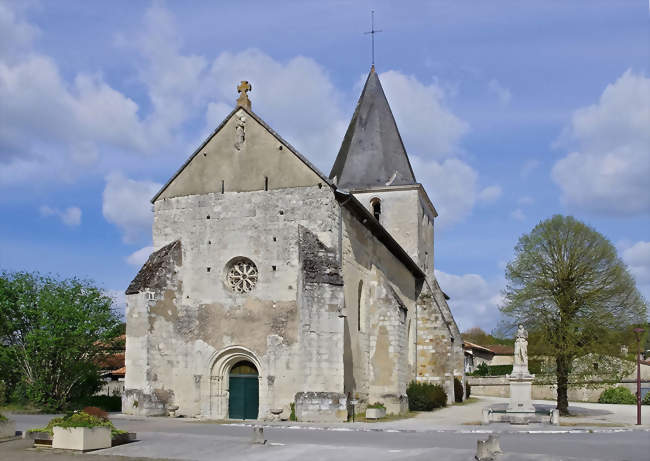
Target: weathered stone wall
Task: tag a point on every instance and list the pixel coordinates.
(502, 360)
(499, 386)
(408, 215)
(320, 296)
(379, 306)
(326, 407)
(409, 219)
(152, 291)
(197, 330)
(242, 156)
(434, 345)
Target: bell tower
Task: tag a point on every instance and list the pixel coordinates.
(373, 165)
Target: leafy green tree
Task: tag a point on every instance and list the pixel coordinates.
(568, 286)
(57, 332)
(478, 336)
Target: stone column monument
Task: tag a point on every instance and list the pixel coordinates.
(521, 380)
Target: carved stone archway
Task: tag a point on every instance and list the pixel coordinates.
(219, 369)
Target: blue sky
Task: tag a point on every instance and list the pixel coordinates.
(510, 111)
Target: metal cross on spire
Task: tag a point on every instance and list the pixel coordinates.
(372, 33)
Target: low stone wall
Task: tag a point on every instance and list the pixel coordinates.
(321, 407)
(499, 386)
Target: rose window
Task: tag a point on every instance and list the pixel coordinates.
(242, 275)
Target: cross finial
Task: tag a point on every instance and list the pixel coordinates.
(372, 33)
(243, 88)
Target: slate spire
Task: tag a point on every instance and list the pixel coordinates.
(372, 153)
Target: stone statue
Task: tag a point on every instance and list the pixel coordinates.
(520, 364)
(521, 380)
(240, 133)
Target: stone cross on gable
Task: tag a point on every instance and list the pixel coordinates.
(243, 88)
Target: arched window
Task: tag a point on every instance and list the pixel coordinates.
(376, 207)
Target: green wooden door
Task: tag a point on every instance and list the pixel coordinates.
(244, 392)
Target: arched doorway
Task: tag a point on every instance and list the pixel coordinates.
(244, 392)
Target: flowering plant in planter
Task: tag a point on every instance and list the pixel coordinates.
(80, 419)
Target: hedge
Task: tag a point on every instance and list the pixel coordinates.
(617, 395)
(425, 396)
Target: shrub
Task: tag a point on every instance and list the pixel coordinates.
(292, 416)
(377, 405)
(458, 390)
(646, 399)
(617, 395)
(425, 396)
(105, 402)
(468, 389)
(499, 370)
(2, 417)
(481, 370)
(97, 412)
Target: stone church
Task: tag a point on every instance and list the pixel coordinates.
(275, 288)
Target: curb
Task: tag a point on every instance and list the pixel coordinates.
(443, 431)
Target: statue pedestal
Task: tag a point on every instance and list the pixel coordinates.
(521, 392)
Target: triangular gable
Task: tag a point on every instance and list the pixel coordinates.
(240, 161)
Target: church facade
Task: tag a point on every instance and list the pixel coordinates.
(275, 288)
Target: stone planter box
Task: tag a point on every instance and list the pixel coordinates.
(81, 438)
(7, 429)
(375, 413)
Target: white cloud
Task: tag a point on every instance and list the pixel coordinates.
(608, 170)
(518, 214)
(474, 301)
(428, 128)
(71, 216)
(503, 94)
(139, 257)
(57, 127)
(490, 194)
(104, 128)
(126, 203)
(15, 34)
(528, 167)
(451, 185)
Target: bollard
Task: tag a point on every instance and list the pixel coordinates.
(486, 416)
(258, 435)
(555, 417)
(493, 445)
(482, 452)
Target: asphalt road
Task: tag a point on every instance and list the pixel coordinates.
(184, 439)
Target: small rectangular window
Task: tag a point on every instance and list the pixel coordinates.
(208, 269)
(266, 183)
(222, 186)
(274, 268)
